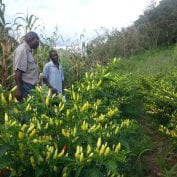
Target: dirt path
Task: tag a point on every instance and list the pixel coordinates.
(161, 156)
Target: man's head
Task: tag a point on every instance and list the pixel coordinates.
(54, 56)
(32, 40)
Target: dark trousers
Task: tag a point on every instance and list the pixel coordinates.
(26, 89)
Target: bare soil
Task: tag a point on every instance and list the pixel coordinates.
(161, 153)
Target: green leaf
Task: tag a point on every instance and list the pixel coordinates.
(92, 172)
(111, 165)
(5, 162)
(39, 171)
(4, 149)
(124, 143)
(78, 171)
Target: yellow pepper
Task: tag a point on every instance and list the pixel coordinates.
(21, 135)
(32, 161)
(32, 133)
(47, 101)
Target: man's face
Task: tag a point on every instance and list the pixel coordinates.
(54, 56)
(35, 42)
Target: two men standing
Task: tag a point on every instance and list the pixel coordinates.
(25, 68)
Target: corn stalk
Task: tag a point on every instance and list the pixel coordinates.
(25, 23)
(6, 45)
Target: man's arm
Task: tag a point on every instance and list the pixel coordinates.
(48, 84)
(18, 79)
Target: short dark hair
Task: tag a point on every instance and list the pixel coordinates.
(51, 51)
(30, 36)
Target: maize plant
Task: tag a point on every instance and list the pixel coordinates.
(7, 44)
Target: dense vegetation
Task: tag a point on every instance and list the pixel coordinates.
(98, 130)
(119, 119)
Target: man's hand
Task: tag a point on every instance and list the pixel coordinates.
(18, 94)
(18, 79)
(54, 91)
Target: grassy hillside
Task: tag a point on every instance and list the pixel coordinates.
(151, 62)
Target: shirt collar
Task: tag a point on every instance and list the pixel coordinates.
(27, 46)
(52, 64)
